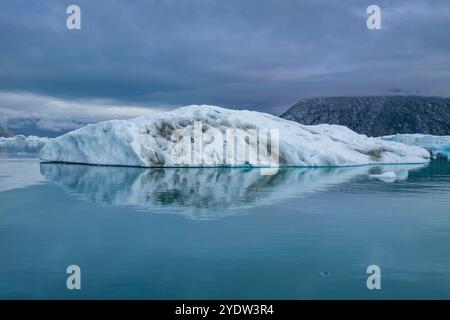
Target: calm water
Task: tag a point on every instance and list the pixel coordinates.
(223, 233)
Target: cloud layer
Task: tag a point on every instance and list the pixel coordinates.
(257, 54)
(59, 115)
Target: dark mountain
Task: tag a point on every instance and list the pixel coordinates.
(5, 132)
(376, 116)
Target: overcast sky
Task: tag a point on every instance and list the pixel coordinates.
(254, 54)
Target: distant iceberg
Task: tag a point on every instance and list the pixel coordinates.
(152, 141)
(21, 143)
(434, 144)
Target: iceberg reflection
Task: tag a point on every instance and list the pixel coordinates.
(201, 193)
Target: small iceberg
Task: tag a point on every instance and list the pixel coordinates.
(160, 140)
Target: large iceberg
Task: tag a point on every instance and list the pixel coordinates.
(159, 140)
(435, 144)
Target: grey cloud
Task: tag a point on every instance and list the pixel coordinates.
(56, 115)
(258, 54)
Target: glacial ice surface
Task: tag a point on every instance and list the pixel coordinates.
(148, 141)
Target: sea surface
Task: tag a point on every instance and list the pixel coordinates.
(303, 233)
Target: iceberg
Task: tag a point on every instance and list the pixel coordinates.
(153, 140)
(21, 143)
(435, 144)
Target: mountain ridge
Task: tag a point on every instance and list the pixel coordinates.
(4, 132)
(376, 115)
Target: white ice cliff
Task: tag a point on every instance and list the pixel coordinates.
(156, 140)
